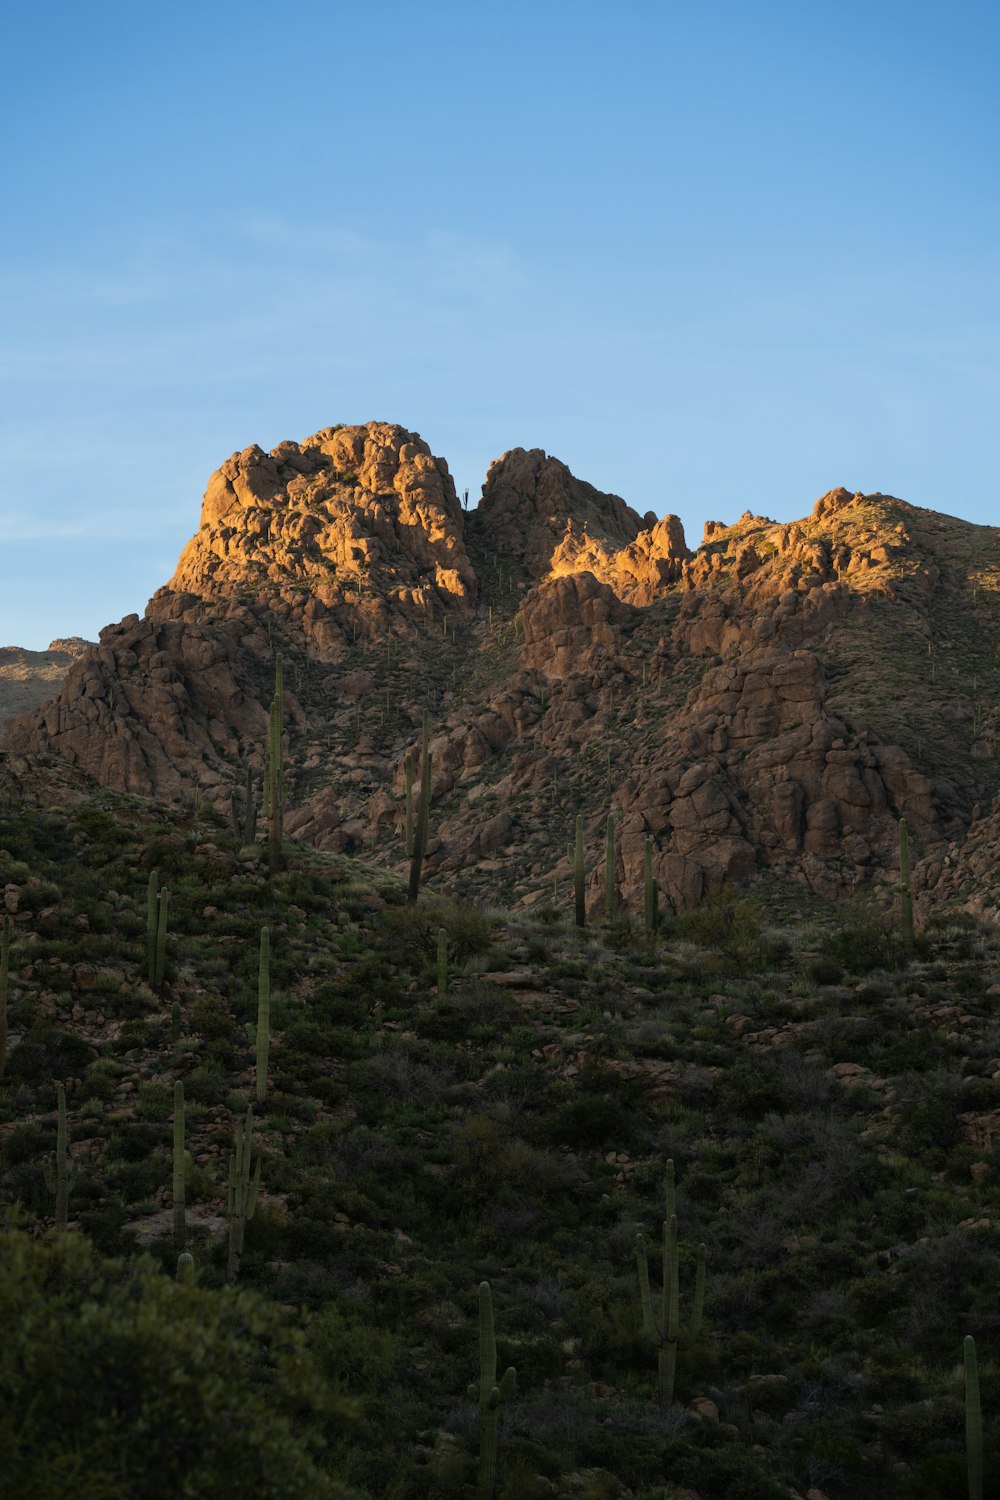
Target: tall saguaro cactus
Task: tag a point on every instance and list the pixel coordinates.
(180, 1217)
(579, 884)
(661, 1324)
(275, 779)
(423, 815)
(489, 1394)
(905, 891)
(973, 1420)
(244, 1188)
(263, 1040)
(60, 1170)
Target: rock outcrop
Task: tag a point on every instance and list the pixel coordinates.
(772, 702)
(28, 678)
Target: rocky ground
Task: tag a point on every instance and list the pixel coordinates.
(831, 1105)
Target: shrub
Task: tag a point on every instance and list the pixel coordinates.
(116, 1382)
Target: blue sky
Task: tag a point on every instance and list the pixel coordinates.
(715, 256)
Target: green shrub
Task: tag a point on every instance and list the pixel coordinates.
(118, 1382)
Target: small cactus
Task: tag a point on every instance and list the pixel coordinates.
(661, 1325)
(185, 1269)
(60, 1170)
(263, 1038)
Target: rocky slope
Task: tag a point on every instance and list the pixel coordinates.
(767, 706)
(28, 678)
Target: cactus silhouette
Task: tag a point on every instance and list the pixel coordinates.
(244, 1188)
(489, 1394)
(60, 1170)
(973, 1420)
(661, 1324)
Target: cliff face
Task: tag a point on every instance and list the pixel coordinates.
(773, 702)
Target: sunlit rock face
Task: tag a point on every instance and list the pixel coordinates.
(771, 703)
(367, 505)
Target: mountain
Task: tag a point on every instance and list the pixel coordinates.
(28, 678)
(763, 708)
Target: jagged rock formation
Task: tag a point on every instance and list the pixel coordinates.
(27, 678)
(773, 702)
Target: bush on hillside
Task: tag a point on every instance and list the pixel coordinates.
(115, 1381)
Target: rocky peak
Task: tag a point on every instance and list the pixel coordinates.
(534, 508)
(349, 509)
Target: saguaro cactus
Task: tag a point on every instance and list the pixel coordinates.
(156, 932)
(244, 1189)
(160, 967)
(661, 1325)
(185, 1269)
(60, 1170)
(180, 1218)
(905, 892)
(4, 979)
(263, 1039)
(973, 1421)
(649, 888)
(423, 816)
(245, 820)
(489, 1394)
(579, 885)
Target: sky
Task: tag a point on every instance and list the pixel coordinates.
(715, 257)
